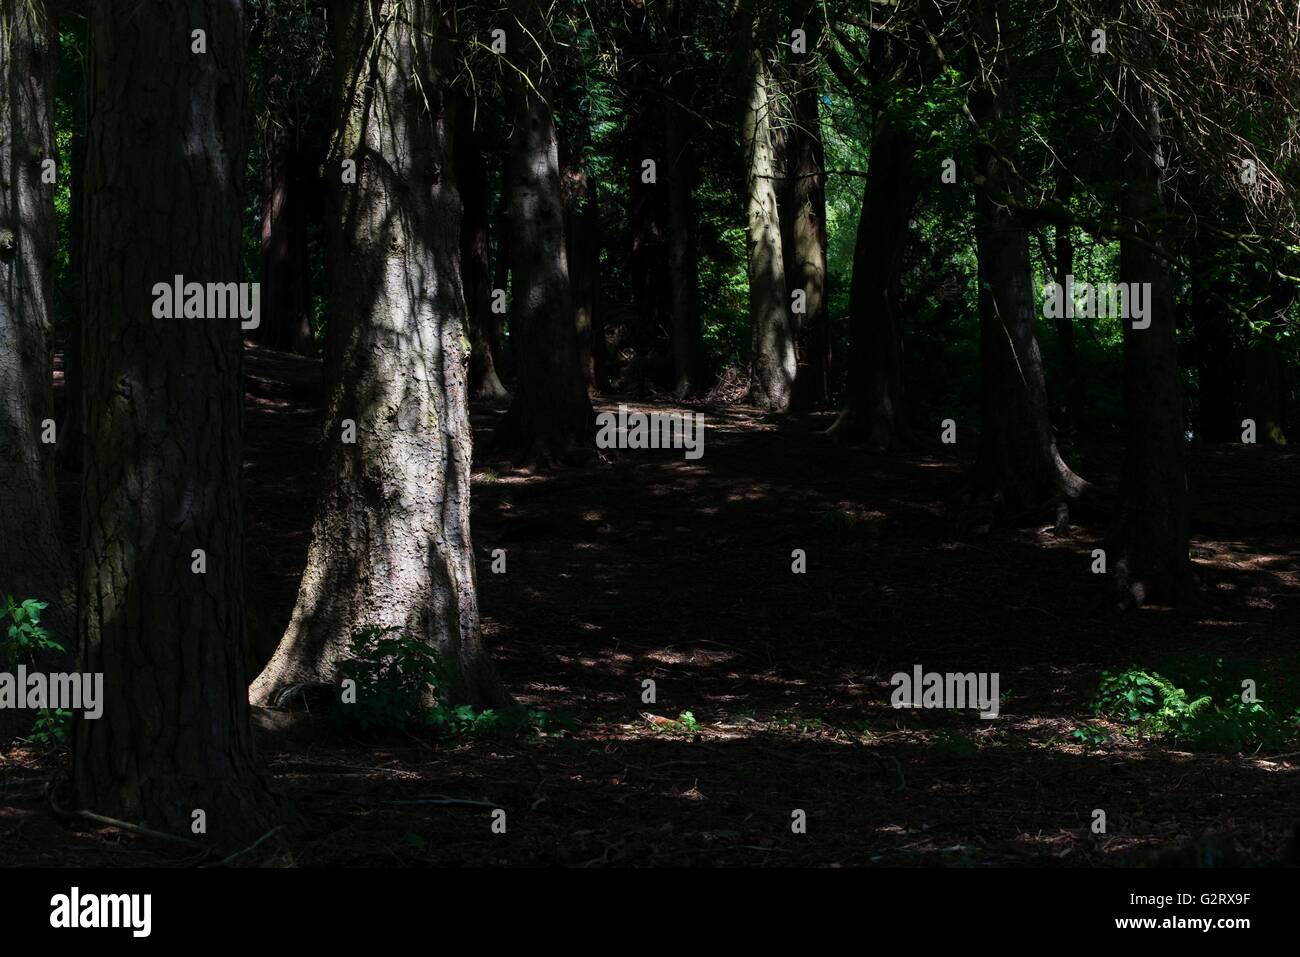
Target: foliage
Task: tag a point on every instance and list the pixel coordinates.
(51, 728)
(1204, 719)
(401, 684)
(25, 637)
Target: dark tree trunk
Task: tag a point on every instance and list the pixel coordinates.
(1149, 551)
(1018, 465)
(33, 563)
(471, 177)
(771, 326)
(648, 203)
(288, 185)
(391, 540)
(163, 426)
(1215, 348)
(874, 408)
(582, 246)
(804, 208)
(690, 364)
(551, 418)
(1266, 364)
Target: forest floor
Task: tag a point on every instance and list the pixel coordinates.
(652, 566)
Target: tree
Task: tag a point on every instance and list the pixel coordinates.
(471, 177)
(690, 364)
(1150, 545)
(162, 612)
(648, 202)
(1018, 464)
(803, 215)
(771, 328)
(551, 418)
(874, 407)
(32, 559)
(391, 541)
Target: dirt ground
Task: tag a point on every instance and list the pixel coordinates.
(651, 566)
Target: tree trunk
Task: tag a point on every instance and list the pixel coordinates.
(874, 408)
(288, 183)
(391, 540)
(1018, 465)
(1215, 348)
(471, 177)
(33, 563)
(1149, 551)
(690, 363)
(805, 211)
(1265, 366)
(771, 328)
(163, 427)
(648, 203)
(551, 418)
(582, 240)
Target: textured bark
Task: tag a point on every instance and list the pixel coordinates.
(476, 270)
(804, 209)
(163, 429)
(551, 418)
(1018, 465)
(32, 560)
(874, 408)
(1149, 551)
(771, 325)
(288, 185)
(391, 539)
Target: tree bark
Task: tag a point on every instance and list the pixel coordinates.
(164, 424)
(1149, 550)
(874, 408)
(805, 211)
(551, 417)
(33, 563)
(1018, 465)
(771, 327)
(391, 540)
(471, 177)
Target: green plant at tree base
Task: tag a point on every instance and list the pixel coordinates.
(400, 683)
(26, 637)
(51, 727)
